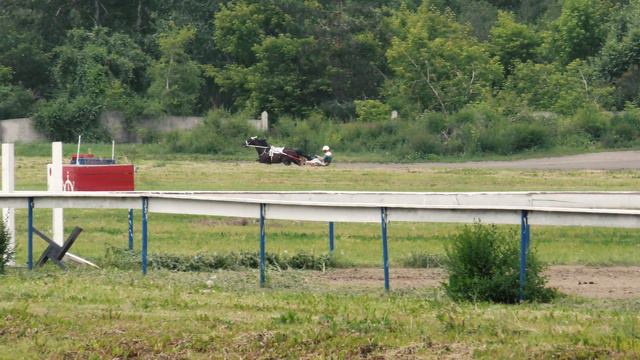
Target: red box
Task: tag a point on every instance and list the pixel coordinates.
(98, 177)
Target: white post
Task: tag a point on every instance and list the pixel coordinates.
(8, 185)
(55, 185)
(264, 120)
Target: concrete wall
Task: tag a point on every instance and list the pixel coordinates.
(23, 130)
(114, 121)
(19, 131)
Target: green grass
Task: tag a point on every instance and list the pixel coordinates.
(114, 314)
(109, 313)
(356, 243)
(136, 152)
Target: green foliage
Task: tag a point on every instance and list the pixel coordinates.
(545, 87)
(128, 260)
(624, 128)
(175, 78)
(512, 42)
(220, 133)
(483, 265)
(581, 29)
(288, 77)
(5, 253)
(422, 260)
(618, 61)
(467, 77)
(372, 111)
(92, 70)
(590, 122)
(64, 119)
(439, 64)
(15, 101)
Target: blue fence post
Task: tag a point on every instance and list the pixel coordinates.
(524, 247)
(30, 233)
(130, 229)
(385, 249)
(331, 243)
(145, 235)
(263, 277)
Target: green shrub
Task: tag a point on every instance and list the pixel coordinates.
(422, 260)
(624, 129)
(220, 133)
(15, 102)
(483, 265)
(65, 118)
(130, 260)
(590, 121)
(372, 111)
(528, 135)
(5, 252)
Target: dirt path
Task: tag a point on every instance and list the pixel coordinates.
(615, 282)
(595, 161)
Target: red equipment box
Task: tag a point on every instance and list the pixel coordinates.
(98, 177)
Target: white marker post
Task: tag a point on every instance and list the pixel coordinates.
(8, 185)
(55, 186)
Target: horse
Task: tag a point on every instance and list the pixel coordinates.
(268, 154)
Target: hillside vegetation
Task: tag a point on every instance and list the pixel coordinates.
(466, 77)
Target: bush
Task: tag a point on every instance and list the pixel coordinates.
(220, 133)
(483, 265)
(527, 136)
(590, 121)
(625, 129)
(65, 118)
(5, 252)
(15, 102)
(422, 260)
(129, 260)
(372, 111)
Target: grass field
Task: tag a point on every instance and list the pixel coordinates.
(121, 314)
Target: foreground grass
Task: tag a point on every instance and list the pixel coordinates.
(113, 314)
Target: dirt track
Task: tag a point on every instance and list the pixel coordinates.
(596, 161)
(615, 282)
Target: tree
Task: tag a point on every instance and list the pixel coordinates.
(288, 78)
(512, 42)
(439, 64)
(580, 31)
(15, 101)
(551, 87)
(86, 68)
(619, 59)
(176, 78)
(242, 25)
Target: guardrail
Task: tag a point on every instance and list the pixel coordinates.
(604, 209)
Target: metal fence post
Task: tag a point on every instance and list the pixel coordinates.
(130, 229)
(331, 242)
(385, 249)
(30, 205)
(524, 247)
(263, 276)
(145, 235)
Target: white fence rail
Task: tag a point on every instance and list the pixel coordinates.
(602, 209)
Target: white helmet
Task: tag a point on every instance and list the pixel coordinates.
(325, 148)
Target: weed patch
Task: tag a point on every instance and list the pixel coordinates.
(129, 260)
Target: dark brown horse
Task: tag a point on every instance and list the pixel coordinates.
(268, 154)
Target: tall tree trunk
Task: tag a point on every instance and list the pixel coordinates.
(96, 3)
(139, 19)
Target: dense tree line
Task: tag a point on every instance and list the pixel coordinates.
(538, 73)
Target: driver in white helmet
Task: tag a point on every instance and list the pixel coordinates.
(323, 160)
